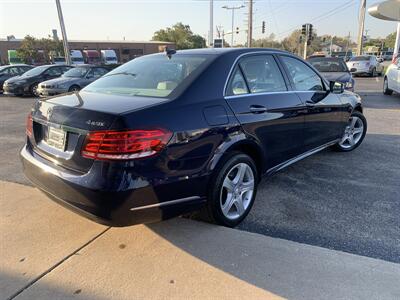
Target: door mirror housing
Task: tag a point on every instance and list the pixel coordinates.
(336, 87)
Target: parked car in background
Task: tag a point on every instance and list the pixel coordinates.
(60, 60)
(13, 58)
(8, 71)
(391, 81)
(92, 57)
(72, 80)
(173, 132)
(77, 57)
(27, 83)
(334, 69)
(387, 55)
(109, 57)
(365, 65)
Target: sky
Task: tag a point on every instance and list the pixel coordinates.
(139, 19)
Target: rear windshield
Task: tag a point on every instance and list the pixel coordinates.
(151, 76)
(329, 64)
(360, 58)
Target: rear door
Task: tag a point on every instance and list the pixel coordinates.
(324, 120)
(260, 97)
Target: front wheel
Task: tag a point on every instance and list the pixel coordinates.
(386, 89)
(33, 90)
(233, 190)
(354, 133)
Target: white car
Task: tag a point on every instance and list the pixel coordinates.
(391, 81)
(365, 65)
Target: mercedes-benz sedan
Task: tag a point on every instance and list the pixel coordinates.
(174, 132)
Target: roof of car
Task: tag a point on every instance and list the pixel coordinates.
(221, 51)
(16, 65)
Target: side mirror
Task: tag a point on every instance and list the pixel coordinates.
(352, 70)
(336, 87)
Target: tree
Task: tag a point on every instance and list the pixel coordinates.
(39, 50)
(390, 40)
(181, 35)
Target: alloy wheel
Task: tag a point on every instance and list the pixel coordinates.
(352, 133)
(34, 90)
(237, 191)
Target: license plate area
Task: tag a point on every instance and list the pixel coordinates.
(56, 138)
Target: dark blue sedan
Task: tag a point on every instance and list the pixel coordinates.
(334, 69)
(174, 132)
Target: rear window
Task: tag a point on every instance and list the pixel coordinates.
(360, 58)
(151, 76)
(328, 64)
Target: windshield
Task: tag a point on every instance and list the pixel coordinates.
(35, 71)
(360, 58)
(59, 59)
(152, 76)
(77, 59)
(329, 64)
(111, 58)
(76, 72)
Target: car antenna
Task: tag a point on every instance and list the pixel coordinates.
(169, 52)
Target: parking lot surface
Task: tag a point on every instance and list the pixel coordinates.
(341, 201)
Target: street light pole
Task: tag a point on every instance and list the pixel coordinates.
(233, 18)
(64, 33)
(211, 37)
(250, 28)
(361, 21)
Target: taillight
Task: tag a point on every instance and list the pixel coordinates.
(122, 145)
(29, 125)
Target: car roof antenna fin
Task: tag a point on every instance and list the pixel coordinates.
(169, 52)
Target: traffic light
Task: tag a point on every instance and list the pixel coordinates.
(263, 27)
(310, 29)
(237, 30)
(304, 29)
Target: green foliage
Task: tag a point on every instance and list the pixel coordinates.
(390, 40)
(39, 50)
(181, 35)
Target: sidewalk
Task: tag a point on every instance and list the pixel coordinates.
(48, 252)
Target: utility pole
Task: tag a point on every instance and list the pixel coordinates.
(361, 22)
(211, 34)
(233, 17)
(305, 49)
(250, 25)
(330, 48)
(64, 33)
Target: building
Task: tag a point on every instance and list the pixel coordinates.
(126, 50)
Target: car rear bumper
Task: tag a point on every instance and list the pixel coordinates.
(87, 195)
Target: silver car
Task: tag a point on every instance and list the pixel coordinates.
(73, 80)
(365, 65)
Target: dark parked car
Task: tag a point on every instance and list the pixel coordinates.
(72, 80)
(8, 71)
(334, 69)
(165, 134)
(27, 83)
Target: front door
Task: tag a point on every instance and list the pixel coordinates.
(324, 120)
(266, 108)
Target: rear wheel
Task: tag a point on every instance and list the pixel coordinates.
(386, 89)
(354, 133)
(233, 190)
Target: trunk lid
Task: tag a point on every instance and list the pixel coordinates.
(60, 124)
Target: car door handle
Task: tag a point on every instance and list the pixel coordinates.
(257, 109)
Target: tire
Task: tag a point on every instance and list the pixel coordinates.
(386, 89)
(33, 90)
(354, 133)
(242, 190)
(74, 88)
(373, 73)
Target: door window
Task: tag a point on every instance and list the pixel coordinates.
(304, 78)
(98, 72)
(262, 74)
(237, 84)
(53, 72)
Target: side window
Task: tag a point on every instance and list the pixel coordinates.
(237, 85)
(303, 77)
(65, 69)
(53, 72)
(262, 74)
(98, 72)
(14, 71)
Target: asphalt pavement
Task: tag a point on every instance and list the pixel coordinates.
(341, 201)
